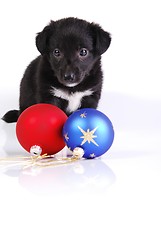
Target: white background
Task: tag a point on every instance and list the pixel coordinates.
(117, 197)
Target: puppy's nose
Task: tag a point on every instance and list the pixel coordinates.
(69, 77)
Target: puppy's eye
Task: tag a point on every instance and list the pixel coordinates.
(56, 52)
(83, 52)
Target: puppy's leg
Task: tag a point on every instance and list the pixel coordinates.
(90, 101)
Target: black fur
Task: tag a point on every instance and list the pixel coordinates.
(70, 60)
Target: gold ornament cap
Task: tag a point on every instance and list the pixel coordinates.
(35, 150)
(78, 152)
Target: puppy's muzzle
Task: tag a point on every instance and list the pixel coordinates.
(69, 77)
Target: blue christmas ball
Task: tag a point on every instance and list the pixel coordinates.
(90, 130)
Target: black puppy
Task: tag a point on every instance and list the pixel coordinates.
(68, 72)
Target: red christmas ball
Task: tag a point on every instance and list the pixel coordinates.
(41, 125)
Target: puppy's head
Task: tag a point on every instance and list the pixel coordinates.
(72, 46)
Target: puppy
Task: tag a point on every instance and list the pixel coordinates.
(68, 72)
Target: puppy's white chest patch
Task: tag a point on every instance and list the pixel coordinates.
(74, 99)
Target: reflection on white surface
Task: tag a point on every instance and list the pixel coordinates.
(137, 126)
(86, 176)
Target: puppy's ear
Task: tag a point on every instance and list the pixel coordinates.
(42, 39)
(101, 39)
